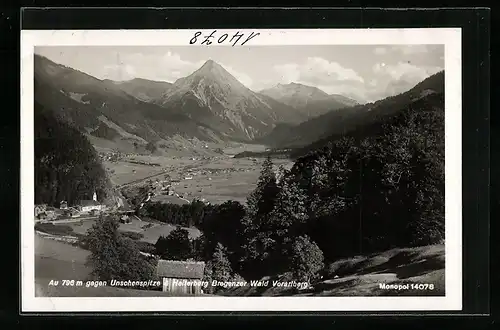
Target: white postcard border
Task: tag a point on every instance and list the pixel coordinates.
(450, 37)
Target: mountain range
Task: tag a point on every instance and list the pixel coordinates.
(208, 105)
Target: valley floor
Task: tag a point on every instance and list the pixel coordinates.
(215, 178)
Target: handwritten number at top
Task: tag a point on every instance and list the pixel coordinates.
(222, 39)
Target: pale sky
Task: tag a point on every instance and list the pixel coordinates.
(363, 72)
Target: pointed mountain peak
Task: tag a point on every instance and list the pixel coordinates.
(212, 69)
(211, 65)
(210, 74)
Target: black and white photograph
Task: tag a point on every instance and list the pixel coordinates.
(271, 164)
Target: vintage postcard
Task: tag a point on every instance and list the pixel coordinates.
(241, 170)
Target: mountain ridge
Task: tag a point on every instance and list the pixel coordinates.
(309, 100)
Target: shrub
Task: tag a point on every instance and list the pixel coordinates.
(176, 246)
(307, 259)
(146, 247)
(133, 235)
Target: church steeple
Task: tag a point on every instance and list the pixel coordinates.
(94, 198)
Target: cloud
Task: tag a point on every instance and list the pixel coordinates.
(242, 78)
(318, 71)
(118, 72)
(163, 67)
(402, 76)
(331, 77)
(405, 70)
(411, 49)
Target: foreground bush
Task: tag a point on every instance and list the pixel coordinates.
(50, 228)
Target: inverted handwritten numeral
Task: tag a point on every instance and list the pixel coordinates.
(223, 38)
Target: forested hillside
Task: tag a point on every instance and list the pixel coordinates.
(66, 165)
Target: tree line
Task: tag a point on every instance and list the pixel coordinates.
(186, 215)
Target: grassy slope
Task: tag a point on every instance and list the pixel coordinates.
(361, 276)
(42, 290)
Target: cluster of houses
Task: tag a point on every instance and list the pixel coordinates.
(83, 207)
(111, 156)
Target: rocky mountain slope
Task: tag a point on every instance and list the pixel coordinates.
(213, 96)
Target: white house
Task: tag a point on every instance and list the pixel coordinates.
(85, 206)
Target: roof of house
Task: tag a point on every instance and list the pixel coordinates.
(88, 203)
(180, 269)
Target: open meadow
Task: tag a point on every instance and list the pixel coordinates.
(121, 172)
(57, 260)
(215, 179)
(223, 179)
(151, 230)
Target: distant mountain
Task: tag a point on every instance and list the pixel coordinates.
(213, 96)
(309, 101)
(344, 120)
(103, 109)
(143, 89)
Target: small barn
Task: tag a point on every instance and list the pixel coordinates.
(181, 277)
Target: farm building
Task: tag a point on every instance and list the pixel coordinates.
(181, 277)
(50, 213)
(40, 209)
(63, 205)
(124, 218)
